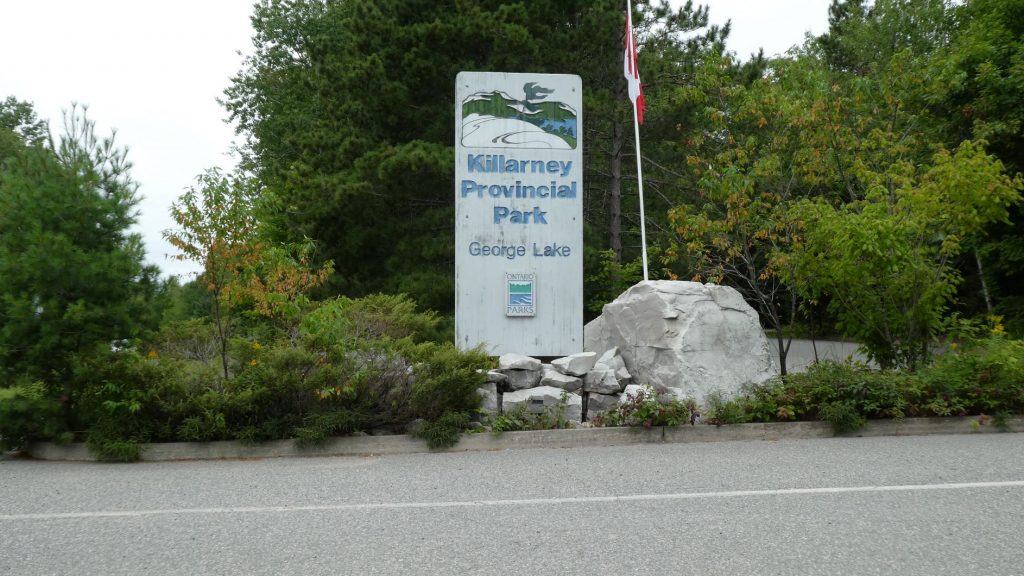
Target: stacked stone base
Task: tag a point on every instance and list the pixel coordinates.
(591, 383)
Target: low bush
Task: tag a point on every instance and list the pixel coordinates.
(27, 413)
(446, 379)
(352, 365)
(645, 409)
(520, 418)
(123, 396)
(984, 377)
(445, 431)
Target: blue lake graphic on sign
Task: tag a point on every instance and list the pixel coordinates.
(520, 293)
(520, 299)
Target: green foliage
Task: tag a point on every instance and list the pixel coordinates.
(747, 161)
(125, 396)
(27, 412)
(317, 427)
(218, 228)
(445, 431)
(645, 409)
(886, 261)
(19, 128)
(113, 449)
(344, 321)
(610, 279)
(719, 410)
(72, 277)
(446, 379)
(843, 416)
(520, 418)
(986, 377)
(322, 383)
(193, 339)
(514, 420)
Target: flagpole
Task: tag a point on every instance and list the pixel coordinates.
(639, 170)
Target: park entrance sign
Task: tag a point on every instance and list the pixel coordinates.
(519, 213)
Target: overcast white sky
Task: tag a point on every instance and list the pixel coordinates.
(153, 70)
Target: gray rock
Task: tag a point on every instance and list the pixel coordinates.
(521, 379)
(559, 380)
(687, 335)
(576, 364)
(632, 391)
(489, 398)
(599, 403)
(518, 362)
(612, 359)
(543, 397)
(602, 381)
(671, 394)
(496, 377)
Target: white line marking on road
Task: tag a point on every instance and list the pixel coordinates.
(516, 502)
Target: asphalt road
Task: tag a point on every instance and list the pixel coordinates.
(910, 505)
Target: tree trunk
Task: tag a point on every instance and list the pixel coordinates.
(783, 351)
(984, 285)
(221, 333)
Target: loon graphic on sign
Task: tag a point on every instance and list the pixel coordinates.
(495, 119)
(520, 289)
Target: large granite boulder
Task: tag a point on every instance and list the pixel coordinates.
(687, 336)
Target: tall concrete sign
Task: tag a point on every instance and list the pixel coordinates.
(519, 213)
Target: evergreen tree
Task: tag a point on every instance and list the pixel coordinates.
(72, 278)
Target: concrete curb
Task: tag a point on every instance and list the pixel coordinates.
(574, 438)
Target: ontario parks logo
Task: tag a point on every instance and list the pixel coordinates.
(520, 291)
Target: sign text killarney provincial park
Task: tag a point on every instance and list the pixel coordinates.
(519, 213)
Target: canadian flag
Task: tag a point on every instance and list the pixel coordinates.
(632, 73)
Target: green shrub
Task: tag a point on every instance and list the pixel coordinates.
(514, 420)
(319, 427)
(27, 413)
(194, 339)
(368, 320)
(843, 416)
(644, 409)
(126, 396)
(113, 449)
(719, 410)
(520, 418)
(986, 376)
(445, 431)
(871, 393)
(446, 379)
